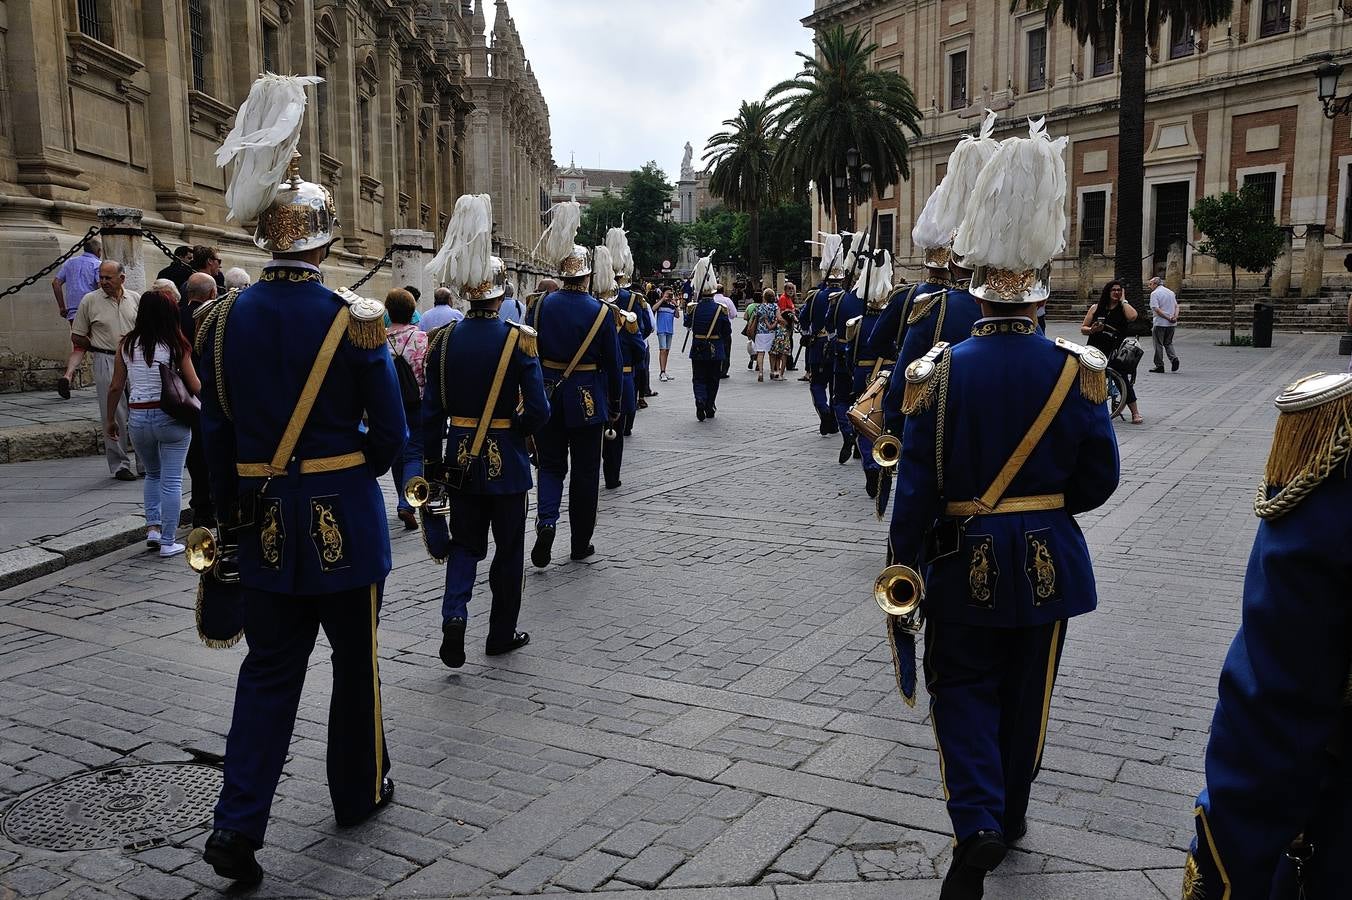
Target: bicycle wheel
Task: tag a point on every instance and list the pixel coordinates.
(1117, 393)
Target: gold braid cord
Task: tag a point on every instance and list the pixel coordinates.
(1192, 881)
(1307, 446)
(940, 416)
(215, 322)
(440, 340)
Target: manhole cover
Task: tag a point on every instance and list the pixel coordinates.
(125, 806)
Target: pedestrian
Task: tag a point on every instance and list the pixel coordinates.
(1164, 306)
(1106, 324)
(161, 441)
(408, 345)
(731, 309)
(208, 259)
(711, 335)
(583, 376)
(477, 369)
(511, 309)
(443, 311)
(305, 500)
(1006, 439)
(1273, 818)
(788, 304)
(781, 349)
(77, 276)
(749, 330)
(104, 316)
(179, 268)
(667, 312)
(199, 291)
(767, 320)
(237, 279)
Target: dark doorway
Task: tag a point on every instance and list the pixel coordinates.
(1171, 218)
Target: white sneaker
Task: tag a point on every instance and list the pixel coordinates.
(153, 538)
(662, 377)
(171, 549)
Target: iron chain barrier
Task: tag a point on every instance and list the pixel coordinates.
(47, 269)
(380, 263)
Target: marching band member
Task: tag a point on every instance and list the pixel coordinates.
(812, 323)
(631, 353)
(874, 286)
(631, 300)
(844, 308)
(1006, 439)
(710, 329)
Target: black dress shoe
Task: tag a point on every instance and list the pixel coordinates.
(1158, 369)
(642, 404)
(585, 552)
(699, 412)
(855, 451)
(1016, 832)
(409, 519)
(386, 796)
(711, 411)
(846, 449)
(973, 858)
(611, 485)
(1173, 364)
(544, 542)
(231, 854)
(871, 482)
(63, 387)
(453, 642)
(519, 640)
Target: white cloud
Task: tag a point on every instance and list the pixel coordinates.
(629, 81)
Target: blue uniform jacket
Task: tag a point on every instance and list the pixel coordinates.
(315, 533)
(1282, 708)
(846, 307)
(461, 363)
(591, 394)
(710, 348)
(632, 301)
(632, 348)
(891, 329)
(862, 361)
(953, 316)
(999, 576)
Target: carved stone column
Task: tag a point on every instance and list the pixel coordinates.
(412, 251)
(1281, 269)
(1084, 284)
(120, 230)
(1312, 279)
(1174, 265)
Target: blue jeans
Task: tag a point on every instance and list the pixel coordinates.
(664, 340)
(409, 461)
(161, 444)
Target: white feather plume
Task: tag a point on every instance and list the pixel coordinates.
(617, 242)
(857, 245)
(465, 257)
(832, 244)
(266, 132)
(603, 272)
(703, 276)
(1017, 218)
(557, 240)
(875, 279)
(945, 208)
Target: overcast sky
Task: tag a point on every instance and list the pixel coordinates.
(632, 80)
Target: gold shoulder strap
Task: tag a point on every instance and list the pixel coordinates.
(586, 342)
(498, 377)
(713, 324)
(309, 393)
(1040, 425)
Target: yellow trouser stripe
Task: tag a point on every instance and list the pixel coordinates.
(934, 723)
(1047, 691)
(1215, 854)
(375, 686)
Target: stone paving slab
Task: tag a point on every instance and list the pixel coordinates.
(707, 703)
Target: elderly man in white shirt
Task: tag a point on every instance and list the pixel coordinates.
(1164, 306)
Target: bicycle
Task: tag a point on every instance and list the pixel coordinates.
(1117, 393)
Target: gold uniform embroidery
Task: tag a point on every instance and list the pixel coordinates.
(270, 535)
(494, 458)
(980, 576)
(1192, 880)
(329, 533)
(588, 403)
(462, 453)
(1044, 569)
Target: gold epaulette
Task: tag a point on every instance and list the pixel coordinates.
(852, 327)
(1312, 440)
(528, 340)
(923, 305)
(366, 322)
(1093, 369)
(924, 377)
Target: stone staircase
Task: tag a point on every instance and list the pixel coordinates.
(1209, 308)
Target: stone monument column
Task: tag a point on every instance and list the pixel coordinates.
(120, 230)
(1312, 279)
(1281, 269)
(412, 251)
(1174, 265)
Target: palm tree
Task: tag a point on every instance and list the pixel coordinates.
(741, 161)
(836, 103)
(1097, 21)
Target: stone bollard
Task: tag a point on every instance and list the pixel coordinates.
(120, 231)
(1173, 267)
(1281, 269)
(412, 251)
(1312, 279)
(1084, 286)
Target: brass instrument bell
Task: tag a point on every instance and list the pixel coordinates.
(898, 591)
(208, 553)
(887, 450)
(417, 491)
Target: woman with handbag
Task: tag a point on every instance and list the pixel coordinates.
(1106, 324)
(154, 362)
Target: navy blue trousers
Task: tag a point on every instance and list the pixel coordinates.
(990, 692)
(819, 376)
(612, 453)
(555, 445)
(704, 375)
(472, 515)
(842, 389)
(281, 630)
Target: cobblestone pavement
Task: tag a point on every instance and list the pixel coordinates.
(707, 708)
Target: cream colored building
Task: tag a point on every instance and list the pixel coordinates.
(106, 103)
(1225, 105)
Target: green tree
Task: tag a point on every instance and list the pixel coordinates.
(598, 216)
(650, 235)
(1097, 21)
(1239, 233)
(741, 164)
(784, 230)
(838, 102)
(716, 229)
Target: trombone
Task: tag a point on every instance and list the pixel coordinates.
(209, 553)
(898, 591)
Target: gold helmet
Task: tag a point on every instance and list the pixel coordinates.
(301, 217)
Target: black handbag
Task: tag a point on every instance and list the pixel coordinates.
(176, 399)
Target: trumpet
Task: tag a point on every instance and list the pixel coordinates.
(887, 450)
(899, 591)
(206, 553)
(419, 492)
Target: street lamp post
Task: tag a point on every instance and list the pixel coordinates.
(1326, 88)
